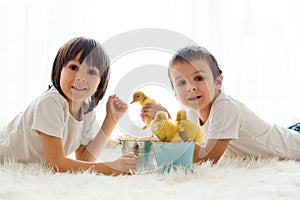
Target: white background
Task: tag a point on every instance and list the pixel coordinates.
(257, 44)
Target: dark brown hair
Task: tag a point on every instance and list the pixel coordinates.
(190, 53)
(93, 54)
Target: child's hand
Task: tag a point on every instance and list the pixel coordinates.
(126, 164)
(115, 107)
(150, 110)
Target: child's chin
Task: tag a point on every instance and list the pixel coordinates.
(194, 105)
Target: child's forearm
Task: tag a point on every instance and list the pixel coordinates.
(108, 126)
(213, 150)
(95, 147)
(70, 165)
(200, 154)
(56, 159)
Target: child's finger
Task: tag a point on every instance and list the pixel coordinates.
(111, 98)
(130, 155)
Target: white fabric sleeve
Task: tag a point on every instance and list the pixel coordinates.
(224, 121)
(50, 117)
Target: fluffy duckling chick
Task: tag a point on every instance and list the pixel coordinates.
(143, 99)
(188, 130)
(165, 129)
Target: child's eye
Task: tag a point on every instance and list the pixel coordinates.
(198, 78)
(93, 72)
(73, 67)
(181, 83)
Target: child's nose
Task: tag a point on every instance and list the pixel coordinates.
(80, 76)
(191, 88)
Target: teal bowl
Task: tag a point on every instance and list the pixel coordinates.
(174, 155)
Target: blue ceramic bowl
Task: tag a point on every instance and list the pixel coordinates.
(173, 155)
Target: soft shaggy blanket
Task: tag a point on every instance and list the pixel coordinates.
(231, 178)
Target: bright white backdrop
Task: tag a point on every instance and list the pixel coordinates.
(256, 43)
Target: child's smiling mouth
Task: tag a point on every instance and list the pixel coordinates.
(78, 88)
(194, 98)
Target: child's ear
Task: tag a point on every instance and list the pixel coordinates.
(219, 80)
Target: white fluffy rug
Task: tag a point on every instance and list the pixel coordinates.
(229, 179)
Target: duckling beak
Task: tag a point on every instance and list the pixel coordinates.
(132, 101)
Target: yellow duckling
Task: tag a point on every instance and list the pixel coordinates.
(179, 130)
(143, 99)
(188, 130)
(165, 129)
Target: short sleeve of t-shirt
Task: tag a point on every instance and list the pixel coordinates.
(50, 115)
(224, 119)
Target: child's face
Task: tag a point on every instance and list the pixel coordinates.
(79, 81)
(194, 84)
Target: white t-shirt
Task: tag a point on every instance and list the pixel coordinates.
(49, 113)
(251, 135)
